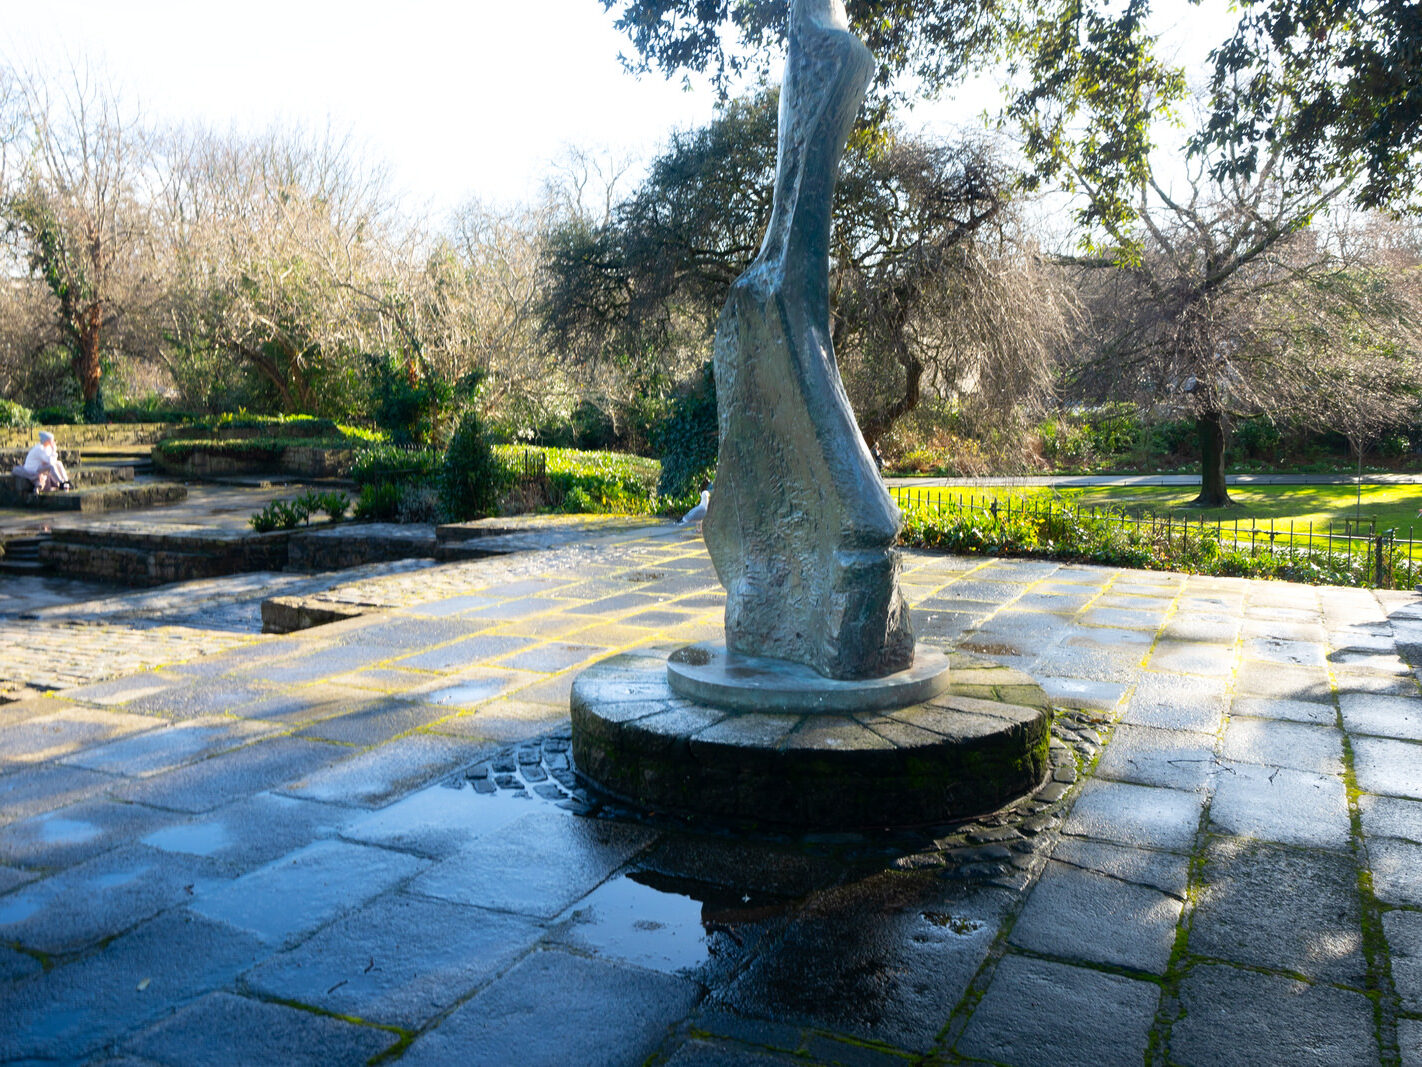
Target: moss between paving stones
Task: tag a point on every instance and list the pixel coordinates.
(1381, 991)
(961, 754)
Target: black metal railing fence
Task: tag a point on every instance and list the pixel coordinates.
(1389, 558)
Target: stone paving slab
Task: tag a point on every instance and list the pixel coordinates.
(1189, 882)
(1078, 914)
(859, 964)
(45, 787)
(1278, 804)
(251, 832)
(70, 1012)
(1174, 759)
(1284, 909)
(1174, 702)
(1136, 815)
(56, 734)
(306, 889)
(212, 783)
(1165, 871)
(87, 903)
(380, 963)
(162, 748)
(1233, 1016)
(537, 865)
(1269, 743)
(70, 835)
(1403, 930)
(384, 773)
(1038, 1011)
(556, 1009)
(224, 1029)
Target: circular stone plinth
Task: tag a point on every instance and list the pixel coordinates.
(968, 750)
(709, 674)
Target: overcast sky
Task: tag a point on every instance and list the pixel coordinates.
(460, 99)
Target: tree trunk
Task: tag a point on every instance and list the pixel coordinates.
(87, 366)
(1214, 493)
(876, 424)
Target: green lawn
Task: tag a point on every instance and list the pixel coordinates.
(1392, 506)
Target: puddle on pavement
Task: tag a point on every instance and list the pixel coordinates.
(22, 594)
(954, 924)
(470, 692)
(18, 909)
(67, 832)
(440, 820)
(705, 895)
(114, 879)
(668, 924)
(199, 839)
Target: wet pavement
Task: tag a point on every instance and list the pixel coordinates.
(208, 506)
(366, 841)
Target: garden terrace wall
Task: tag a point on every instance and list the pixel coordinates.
(137, 558)
(239, 431)
(212, 462)
(125, 434)
(11, 457)
(87, 500)
(142, 559)
(335, 548)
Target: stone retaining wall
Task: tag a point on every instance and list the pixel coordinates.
(107, 434)
(339, 547)
(232, 432)
(13, 457)
(138, 558)
(95, 499)
(144, 559)
(298, 459)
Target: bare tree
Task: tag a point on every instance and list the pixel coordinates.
(934, 290)
(1355, 336)
(1197, 310)
(73, 209)
(280, 261)
(588, 185)
(490, 301)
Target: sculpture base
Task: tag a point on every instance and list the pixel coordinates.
(968, 750)
(709, 674)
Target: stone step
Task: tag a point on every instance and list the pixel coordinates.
(21, 567)
(112, 497)
(23, 549)
(103, 473)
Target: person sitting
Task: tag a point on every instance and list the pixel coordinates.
(43, 466)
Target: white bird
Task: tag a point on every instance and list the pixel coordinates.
(698, 513)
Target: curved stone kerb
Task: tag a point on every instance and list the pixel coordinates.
(923, 764)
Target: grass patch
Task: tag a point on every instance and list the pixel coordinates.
(573, 481)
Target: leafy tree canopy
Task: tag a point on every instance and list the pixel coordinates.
(933, 40)
(931, 287)
(1337, 80)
